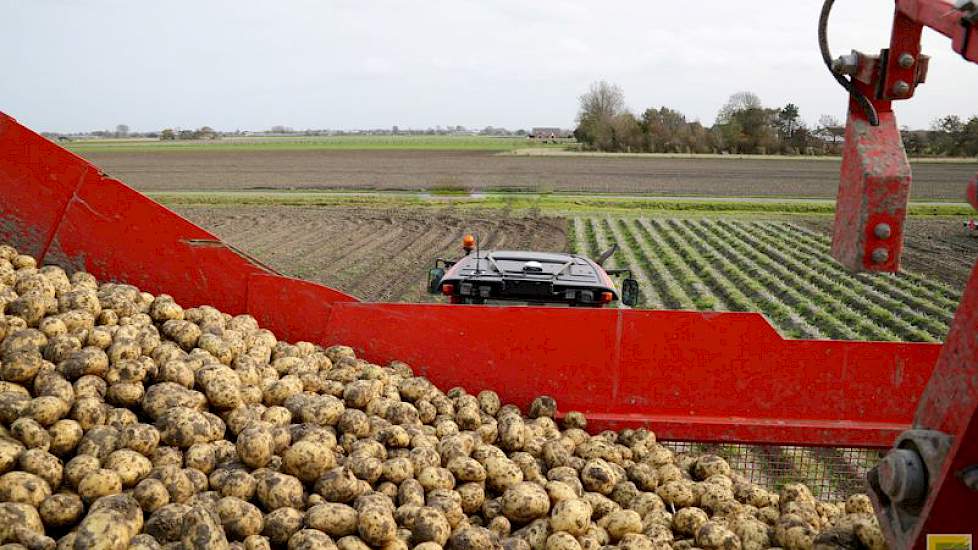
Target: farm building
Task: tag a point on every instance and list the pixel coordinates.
(550, 133)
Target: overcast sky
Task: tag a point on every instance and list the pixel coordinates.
(75, 65)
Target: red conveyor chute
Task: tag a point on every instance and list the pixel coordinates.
(686, 375)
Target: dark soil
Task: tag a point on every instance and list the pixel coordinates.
(938, 247)
(481, 170)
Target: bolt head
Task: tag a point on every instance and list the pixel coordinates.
(906, 60)
(901, 88)
(882, 231)
(846, 64)
(902, 476)
(880, 256)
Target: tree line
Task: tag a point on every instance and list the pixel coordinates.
(743, 126)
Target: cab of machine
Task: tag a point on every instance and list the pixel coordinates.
(507, 276)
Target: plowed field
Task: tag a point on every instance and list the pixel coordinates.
(380, 255)
(486, 170)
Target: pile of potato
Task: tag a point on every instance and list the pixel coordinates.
(129, 421)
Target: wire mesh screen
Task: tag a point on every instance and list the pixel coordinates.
(831, 473)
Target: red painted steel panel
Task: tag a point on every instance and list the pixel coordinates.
(874, 189)
(904, 40)
(118, 234)
(37, 179)
(941, 16)
(294, 307)
(949, 404)
(686, 375)
(521, 352)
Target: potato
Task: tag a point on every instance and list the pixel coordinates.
(713, 534)
(61, 510)
(502, 473)
(24, 488)
(255, 446)
(430, 525)
(31, 434)
(678, 493)
(144, 542)
(254, 431)
(281, 524)
(310, 539)
(183, 427)
(234, 482)
(859, 504)
(42, 464)
(240, 519)
(620, 523)
(543, 406)
(111, 523)
(524, 502)
(177, 483)
(100, 483)
(151, 495)
(376, 525)
(276, 490)
(598, 476)
(334, 519)
(257, 542)
(131, 466)
(687, 521)
(870, 535)
(571, 516)
(338, 485)
(202, 530)
(562, 541)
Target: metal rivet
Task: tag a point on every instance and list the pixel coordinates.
(902, 476)
(882, 231)
(906, 61)
(880, 255)
(901, 88)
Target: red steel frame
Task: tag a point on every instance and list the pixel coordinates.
(718, 377)
(726, 377)
(874, 191)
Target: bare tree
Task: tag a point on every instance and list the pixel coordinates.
(602, 102)
(828, 121)
(832, 126)
(738, 102)
(600, 107)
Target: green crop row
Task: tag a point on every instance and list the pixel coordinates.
(776, 268)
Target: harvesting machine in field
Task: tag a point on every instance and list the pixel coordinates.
(508, 276)
(689, 376)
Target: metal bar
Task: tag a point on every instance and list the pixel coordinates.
(874, 189)
(950, 405)
(942, 16)
(902, 60)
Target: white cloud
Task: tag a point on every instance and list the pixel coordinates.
(359, 63)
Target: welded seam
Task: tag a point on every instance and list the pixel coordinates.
(63, 214)
(616, 354)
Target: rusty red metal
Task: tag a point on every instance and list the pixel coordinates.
(874, 185)
(950, 405)
(941, 16)
(874, 189)
(691, 376)
(902, 71)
